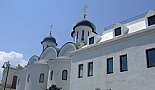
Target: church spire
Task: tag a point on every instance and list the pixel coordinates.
(85, 9)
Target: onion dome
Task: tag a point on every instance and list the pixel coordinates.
(49, 38)
(84, 23)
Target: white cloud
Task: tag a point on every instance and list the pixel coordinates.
(14, 58)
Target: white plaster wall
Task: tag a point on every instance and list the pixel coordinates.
(67, 49)
(138, 76)
(136, 26)
(12, 72)
(21, 80)
(48, 53)
(58, 66)
(87, 83)
(107, 35)
(34, 70)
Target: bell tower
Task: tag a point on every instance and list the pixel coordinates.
(83, 29)
(49, 41)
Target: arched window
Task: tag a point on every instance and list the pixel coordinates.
(64, 75)
(41, 78)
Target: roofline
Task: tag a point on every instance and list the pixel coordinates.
(148, 29)
(127, 20)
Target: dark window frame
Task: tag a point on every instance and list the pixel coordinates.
(18, 81)
(147, 58)
(64, 74)
(90, 69)
(122, 69)
(108, 63)
(118, 31)
(14, 82)
(51, 75)
(41, 78)
(91, 40)
(77, 35)
(28, 78)
(80, 74)
(150, 23)
(82, 37)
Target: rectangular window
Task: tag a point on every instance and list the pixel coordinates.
(77, 35)
(14, 82)
(51, 75)
(91, 40)
(28, 78)
(18, 81)
(41, 78)
(117, 31)
(90, 69)
(80, 74)
(150, 54)
(82, 38)
(151, 20)
(109, 65)
(123, 63)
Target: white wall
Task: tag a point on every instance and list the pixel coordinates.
(58, 66)
(35, 70)
(137, 25)
(138, 76)
(12, 72)
(21, 80)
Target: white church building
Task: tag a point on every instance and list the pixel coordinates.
(121, 58)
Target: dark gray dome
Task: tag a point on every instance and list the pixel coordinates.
(50, 39)
(84, 23)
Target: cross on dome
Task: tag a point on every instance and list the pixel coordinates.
(85, 10)
(51, 27)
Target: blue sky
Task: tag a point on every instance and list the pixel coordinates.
(24, 23)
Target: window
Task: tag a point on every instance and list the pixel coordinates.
(80, 72)
(151, 20)
(123, 63)
(14, 82)
(64, 75)
(150, 53)
(41, 78)
(88, 33)
(77, 35)
(117, 31)
(28, 78)
(109, 89)
(109, 65)
(91, 40)
(82, 38)
(90, 69)
(51, 75)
